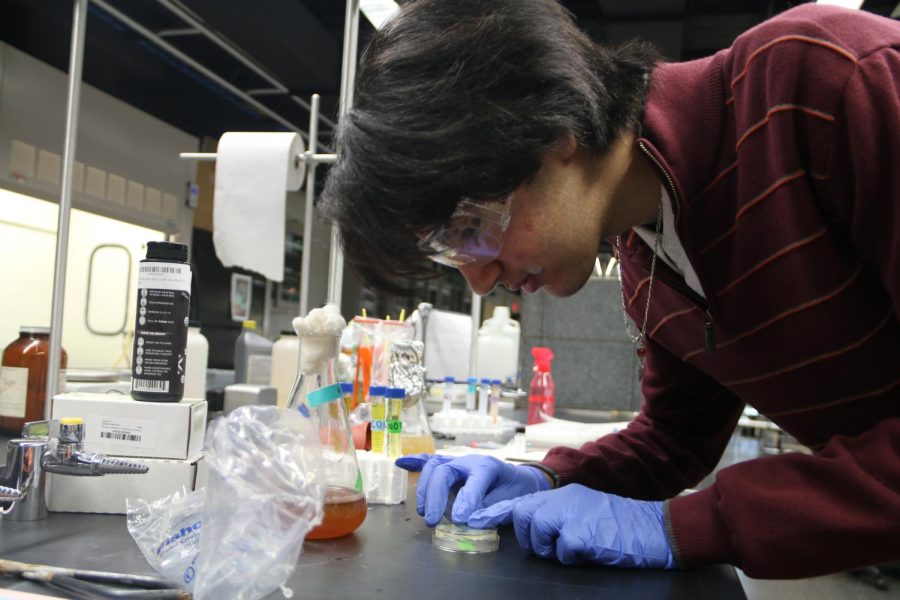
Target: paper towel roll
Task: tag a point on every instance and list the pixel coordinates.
(254, 171)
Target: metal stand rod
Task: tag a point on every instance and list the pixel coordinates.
(76, 60)
(348, 75)
(267, 309)
(473, 343)
(308, 209)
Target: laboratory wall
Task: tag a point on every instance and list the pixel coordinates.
(129, 188)
(594, 363)
(101, 278)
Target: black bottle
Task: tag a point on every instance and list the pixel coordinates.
(161, 324)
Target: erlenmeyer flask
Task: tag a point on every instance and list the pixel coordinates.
(317, 395)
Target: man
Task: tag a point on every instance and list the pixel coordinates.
(753, 198)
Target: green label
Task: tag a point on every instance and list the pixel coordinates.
(395, 426)
(323, 395)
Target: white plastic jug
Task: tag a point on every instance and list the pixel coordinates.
(252, 356)
(196, 359)
(285, 364)
(498, 347)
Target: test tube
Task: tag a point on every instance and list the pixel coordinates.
(395, 397)
(495, 400)
(379, 418)
(347, 393)
(471, 392)
(484, 391)
(448, 394)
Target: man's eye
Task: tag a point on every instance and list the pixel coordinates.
(462, 235)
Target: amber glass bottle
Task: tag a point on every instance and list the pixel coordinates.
(23, 378)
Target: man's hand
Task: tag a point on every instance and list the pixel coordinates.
(487, 480)
(577, 524)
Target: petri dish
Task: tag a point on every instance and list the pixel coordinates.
(450, 537)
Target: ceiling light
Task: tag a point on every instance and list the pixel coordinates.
(378, 11)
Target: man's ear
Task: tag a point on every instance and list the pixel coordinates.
(565, 147)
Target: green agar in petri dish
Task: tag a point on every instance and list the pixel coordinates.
(459, 538)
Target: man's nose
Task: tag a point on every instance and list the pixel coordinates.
(481, 278)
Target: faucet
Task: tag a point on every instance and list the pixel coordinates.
(49, 447)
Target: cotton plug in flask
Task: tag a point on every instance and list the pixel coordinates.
(317, 395)
(542, 392)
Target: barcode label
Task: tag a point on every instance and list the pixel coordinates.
(150, 385)
(115, 434)
(120, 436)
(163, 276)
(160, 269)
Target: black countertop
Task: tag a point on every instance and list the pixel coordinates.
(390, 556)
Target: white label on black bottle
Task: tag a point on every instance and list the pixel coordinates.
(165, 276)
(13, 391)
(160, 332)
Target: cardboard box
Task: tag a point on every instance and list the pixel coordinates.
(107, 494)
(117, 425)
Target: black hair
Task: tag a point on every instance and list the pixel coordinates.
(461, 98)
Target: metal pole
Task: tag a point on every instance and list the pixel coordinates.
(76, 60)
(473, 343)
(267, 309)
(348, 75)
(308, 210)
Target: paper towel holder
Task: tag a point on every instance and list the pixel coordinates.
(312, 160)
(307, 157)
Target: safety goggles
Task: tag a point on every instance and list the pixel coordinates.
(473, 236)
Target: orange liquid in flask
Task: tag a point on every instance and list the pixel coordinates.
(345, 510)
(414, 444)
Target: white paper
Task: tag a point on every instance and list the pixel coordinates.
(254, 171)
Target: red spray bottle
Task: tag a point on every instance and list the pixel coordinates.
(542, 392)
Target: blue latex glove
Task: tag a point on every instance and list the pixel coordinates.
(487, 480)
(578, 524)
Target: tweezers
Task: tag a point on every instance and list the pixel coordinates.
(96, 584)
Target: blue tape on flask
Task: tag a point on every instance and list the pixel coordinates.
(323, 395)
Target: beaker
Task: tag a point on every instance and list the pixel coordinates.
(317, 394)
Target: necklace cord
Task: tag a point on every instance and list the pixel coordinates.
(637, 340)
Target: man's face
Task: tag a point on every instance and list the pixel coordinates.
(557, 221)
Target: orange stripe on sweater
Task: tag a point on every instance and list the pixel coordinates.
(637, 290)
(792, 38)
(805, 363)
(786, 250)
(768, 191)
(860, 396)
(674, 315)
(782, 315)
(780, 108)
(718, 178)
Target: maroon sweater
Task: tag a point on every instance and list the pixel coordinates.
(782, 158)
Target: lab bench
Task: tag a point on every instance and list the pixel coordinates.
(390, 556)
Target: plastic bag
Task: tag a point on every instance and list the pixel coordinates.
(168, 533)
(265, 492)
